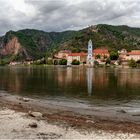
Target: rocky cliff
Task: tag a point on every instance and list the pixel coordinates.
(33, 44)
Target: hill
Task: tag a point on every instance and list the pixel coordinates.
(111, 37)
(33, 44)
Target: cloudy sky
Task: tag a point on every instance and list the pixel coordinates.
(60, 15)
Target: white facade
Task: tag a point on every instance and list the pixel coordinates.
(90, 51)
(135, 57)
(70, 58)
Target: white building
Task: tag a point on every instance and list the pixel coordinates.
(90, 52)
(125, 56)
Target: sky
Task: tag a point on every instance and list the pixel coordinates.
(61, 15)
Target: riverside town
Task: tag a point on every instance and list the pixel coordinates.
(93, 57)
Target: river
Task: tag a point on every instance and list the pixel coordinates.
(100, 86)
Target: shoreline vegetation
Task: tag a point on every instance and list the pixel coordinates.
(51, 119)
(131, 65)
(111, 61)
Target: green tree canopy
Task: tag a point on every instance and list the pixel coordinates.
(132, 63)
(98, 56)
(114, 55)
(63, 62)
(108, 60)
(75, 62)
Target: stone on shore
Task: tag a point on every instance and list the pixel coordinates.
(33, 125)
(35, 114)
(23, 99)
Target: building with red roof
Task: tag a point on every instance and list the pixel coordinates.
(78, 56)
(63, 54)
(134, 54)
(102, 52)
(82, 57)
(125, 56)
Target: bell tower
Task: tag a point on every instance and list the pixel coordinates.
(89, 55)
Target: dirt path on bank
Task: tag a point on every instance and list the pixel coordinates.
(91, 119)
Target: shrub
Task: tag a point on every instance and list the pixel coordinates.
(108, 60)
(114, 55)
(56, 62)
(49, 62)
(98, 56)
(132, 63)
(138, 62)
(63, 62)
(96, 63)
(75, 62)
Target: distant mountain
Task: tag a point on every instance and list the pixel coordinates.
(111, 37)
(33, 44)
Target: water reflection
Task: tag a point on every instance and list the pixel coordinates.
(71, 82)
(89, 80)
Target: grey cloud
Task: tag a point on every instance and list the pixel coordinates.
(62, 15)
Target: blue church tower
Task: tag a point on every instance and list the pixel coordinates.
(90, 53)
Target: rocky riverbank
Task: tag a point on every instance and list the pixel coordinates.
(30, 118)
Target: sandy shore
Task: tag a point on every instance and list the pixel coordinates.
(15, 125)
(59, 121)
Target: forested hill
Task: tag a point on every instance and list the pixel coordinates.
(33, 44)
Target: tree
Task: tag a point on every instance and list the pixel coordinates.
(49, 62)
(76, 50)
(63, 62)
(98, 56)
(114, 55)
(108, 60)
(132, 63)
(96, 63)
(56, 62)
(138, 62)
(75, 62)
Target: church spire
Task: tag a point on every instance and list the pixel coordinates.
(90, 51)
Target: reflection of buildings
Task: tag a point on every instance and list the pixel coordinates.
(81, 78)
(70, 77)
(89, 80)
(10, 80)
(100, 78)
(76, 80)
(128, 78)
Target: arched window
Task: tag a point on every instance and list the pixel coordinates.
(89, 47)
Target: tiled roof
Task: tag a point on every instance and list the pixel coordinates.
(77, 54)
(134, 53)
(96, 51)
(100, 51)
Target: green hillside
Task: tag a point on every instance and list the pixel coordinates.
(111, 37)
(36, 43)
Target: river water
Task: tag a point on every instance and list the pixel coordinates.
(100, 86)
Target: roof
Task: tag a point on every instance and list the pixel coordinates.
(134, 53)
(77, 54)
(95, 51)
(101, 51)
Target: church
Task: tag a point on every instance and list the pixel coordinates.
(85, 58)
